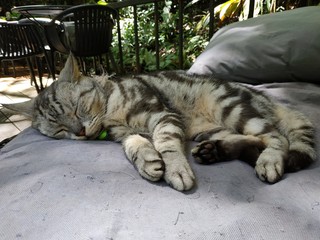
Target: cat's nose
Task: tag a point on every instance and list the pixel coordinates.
(82, 132)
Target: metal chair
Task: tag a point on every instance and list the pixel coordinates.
(85, 30)
(23, 41)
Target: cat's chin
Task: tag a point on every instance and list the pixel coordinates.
(87, 137)
(75, 137)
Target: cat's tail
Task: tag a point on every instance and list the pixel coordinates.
(301, 136)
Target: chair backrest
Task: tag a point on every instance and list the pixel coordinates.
(19, 40)
(87, 28)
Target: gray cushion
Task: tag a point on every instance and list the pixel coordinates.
(80, 190)
(277, 47)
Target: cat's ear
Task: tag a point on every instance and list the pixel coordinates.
(70, 71)
(24, 108)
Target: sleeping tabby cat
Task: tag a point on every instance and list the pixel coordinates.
(153, 116)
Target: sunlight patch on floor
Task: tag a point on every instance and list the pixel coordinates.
(13, 90)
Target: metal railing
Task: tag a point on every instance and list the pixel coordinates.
(135, 4)
(181, 6)
(179, 45)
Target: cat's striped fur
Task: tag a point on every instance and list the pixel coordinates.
(153, 115)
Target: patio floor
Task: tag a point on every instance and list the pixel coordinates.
(13, 90)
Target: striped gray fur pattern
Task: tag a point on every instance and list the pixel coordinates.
(154, 115)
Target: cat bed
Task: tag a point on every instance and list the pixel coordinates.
(64, 189)
(274, 47)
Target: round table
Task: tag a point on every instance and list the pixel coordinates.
(39, 10)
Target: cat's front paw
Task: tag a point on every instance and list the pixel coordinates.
(270, 171)
(180, 176)
(150, 165)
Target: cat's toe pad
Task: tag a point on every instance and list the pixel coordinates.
(205, 152)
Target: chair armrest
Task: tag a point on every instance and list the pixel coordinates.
(53, 33)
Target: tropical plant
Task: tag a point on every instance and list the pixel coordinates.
(196, 28)
(195, 36)
(195, 25)
(237, 10)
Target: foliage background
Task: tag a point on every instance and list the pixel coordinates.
(195, 36)
(196, 26)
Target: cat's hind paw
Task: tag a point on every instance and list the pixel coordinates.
(269, 171)
(206, 152)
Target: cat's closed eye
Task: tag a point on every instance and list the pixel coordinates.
(61, 133)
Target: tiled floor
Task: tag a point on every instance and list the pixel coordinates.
(14, 90)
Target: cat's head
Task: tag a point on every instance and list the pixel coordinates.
(71, 107)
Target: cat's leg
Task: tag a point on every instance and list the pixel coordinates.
(169, 140)
(261, 146)
(220, 144)
(271, 162)
(140, 152)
